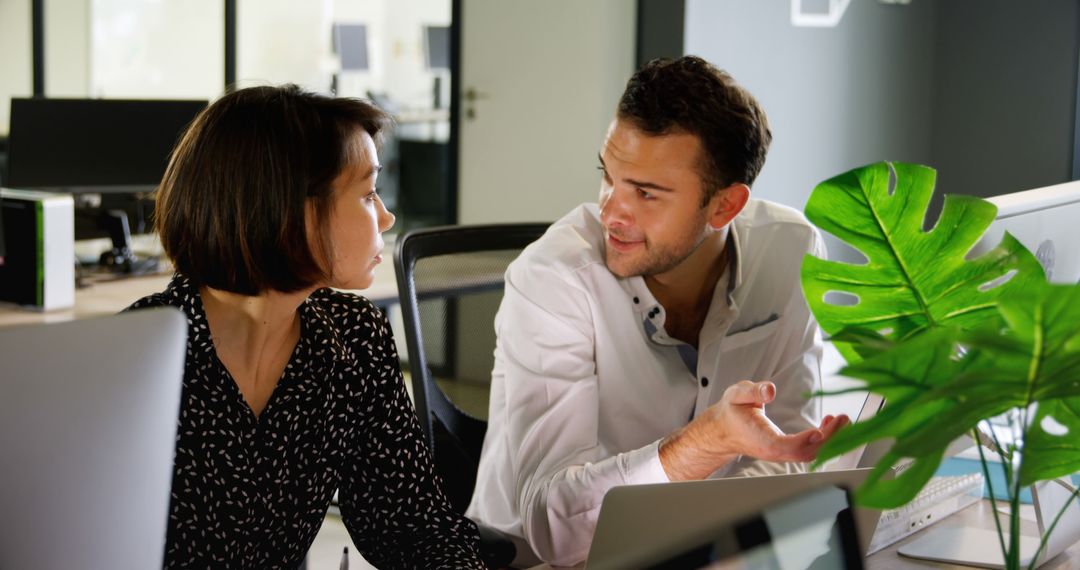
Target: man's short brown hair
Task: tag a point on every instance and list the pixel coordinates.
(231, 207)
(690, 95)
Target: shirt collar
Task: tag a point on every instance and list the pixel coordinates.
(734, 268)
(651, 313)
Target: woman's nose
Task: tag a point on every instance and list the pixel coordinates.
(386, 218)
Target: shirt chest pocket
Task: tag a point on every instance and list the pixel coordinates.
(752, 335)
(750, 354)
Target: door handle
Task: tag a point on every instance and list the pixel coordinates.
(471, 94)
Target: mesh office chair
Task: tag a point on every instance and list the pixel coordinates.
(450, 281)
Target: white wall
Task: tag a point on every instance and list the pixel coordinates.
(16, 77)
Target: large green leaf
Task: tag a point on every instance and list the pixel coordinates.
(908, 374)
(913, 279)
(1035, 359)
(1027, 353)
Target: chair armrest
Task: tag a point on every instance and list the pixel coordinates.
(497, 550)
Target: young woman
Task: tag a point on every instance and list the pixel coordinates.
(291, 390)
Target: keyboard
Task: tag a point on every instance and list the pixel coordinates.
(941, 497)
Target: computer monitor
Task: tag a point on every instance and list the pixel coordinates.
(88, 415)
(115, 148)
(94, 145)
(1045, 221)
(437, 47)
(351, 45)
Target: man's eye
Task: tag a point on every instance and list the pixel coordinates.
(645, 194)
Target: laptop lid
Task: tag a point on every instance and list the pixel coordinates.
(88, 413)
(811, 531)
(635, 520)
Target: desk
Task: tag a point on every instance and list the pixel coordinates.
(977, 515)
(110, 297)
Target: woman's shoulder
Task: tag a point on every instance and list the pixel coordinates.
(350, 312)
(175, 295)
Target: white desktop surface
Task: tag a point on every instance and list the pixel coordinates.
(110, 297)
(977, 515)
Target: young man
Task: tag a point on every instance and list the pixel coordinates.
(629, 332)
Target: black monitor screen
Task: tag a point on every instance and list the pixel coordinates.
(94, 145)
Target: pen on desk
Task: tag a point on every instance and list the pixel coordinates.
(344, 559)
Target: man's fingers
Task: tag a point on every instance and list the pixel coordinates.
(834, 423)
(800, 446)
(803, 446)
(751, 393)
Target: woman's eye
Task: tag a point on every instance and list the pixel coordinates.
(645, 195)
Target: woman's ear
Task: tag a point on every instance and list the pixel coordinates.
(727, 203)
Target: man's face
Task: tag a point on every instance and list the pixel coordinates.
(650, 200)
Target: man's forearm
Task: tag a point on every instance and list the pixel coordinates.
(689, 455)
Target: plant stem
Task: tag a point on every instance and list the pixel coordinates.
(989, 486)
(1014, 486)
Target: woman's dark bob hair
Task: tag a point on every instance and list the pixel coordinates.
(231, 207)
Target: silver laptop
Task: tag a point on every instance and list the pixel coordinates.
(637, 521)
(88, 413)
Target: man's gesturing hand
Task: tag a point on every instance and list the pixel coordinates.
(737, 425)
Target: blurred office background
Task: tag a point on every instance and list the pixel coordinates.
(502, 104)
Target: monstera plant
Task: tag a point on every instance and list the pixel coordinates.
(950, 342)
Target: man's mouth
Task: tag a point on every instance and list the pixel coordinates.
(623, 245)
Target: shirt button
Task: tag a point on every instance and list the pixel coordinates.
(704, 382)
(636, 300)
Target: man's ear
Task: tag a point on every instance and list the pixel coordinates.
(727, 203)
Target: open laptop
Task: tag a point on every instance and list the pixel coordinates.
(638, 521)
(812, 531)
(88, 413)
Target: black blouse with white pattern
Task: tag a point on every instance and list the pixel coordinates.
(251, 491)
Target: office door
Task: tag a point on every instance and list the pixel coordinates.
(538, 85)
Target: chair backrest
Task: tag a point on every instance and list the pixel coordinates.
(450, 280)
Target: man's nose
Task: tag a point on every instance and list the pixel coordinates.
(615, 211)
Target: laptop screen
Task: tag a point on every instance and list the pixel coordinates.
(812, 531)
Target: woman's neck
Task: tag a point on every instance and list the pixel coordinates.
(253, 337)
(250, 325)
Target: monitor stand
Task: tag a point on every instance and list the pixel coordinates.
(121, 258)
(981, 548)
(966, 546)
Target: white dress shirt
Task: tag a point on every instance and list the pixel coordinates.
(587, 382)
